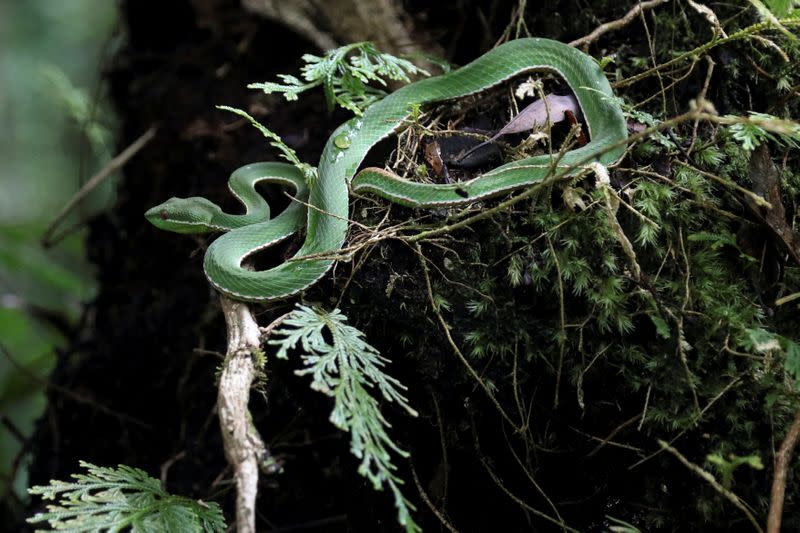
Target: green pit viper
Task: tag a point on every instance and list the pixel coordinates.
(326, 219)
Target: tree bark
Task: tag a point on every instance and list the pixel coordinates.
(332, 23)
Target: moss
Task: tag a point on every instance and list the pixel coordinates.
(670, 347)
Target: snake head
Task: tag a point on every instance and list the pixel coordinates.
(184, 215)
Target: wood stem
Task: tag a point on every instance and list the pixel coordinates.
(782, 460)
(244, 447)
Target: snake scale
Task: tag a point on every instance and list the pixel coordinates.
(328, 198)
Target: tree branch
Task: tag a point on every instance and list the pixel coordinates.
(782, 459)
(616, 24)
(244, 447)
(731, 497)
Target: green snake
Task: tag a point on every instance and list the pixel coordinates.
(326, 217)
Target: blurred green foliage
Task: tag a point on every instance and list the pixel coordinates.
(55, 134)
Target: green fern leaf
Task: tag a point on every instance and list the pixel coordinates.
(115, 499)
(348, 369)
(345, 75)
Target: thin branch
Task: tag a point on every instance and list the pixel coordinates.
(607, 440)
(703, 48)
(617, 24)
(424, 495)
(702, 96)
(527, 470)
(730, 496)
(787, 299)
(112, 166)
(244, 448)
(644, 410)
(758, 200)
(454, 346)
(517, 499)
(782, 460)
(47, 384)
(694, 422)
(682, 343)
(562, 337)
(651, 46)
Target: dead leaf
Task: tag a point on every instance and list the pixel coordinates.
(572, 199)
(536, 114)
(550, 109)
(710, 16)
(766, 183)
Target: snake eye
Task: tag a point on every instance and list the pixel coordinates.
(163, 214)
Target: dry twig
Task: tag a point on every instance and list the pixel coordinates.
(782, 459)
(112, 166)
(617, 24)
(730, 496)
(244, 447)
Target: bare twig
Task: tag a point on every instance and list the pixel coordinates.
(424, 495)
(695, 420)
(782, 459)
(517, 24)
(47, 384)
(730, 496)
(607, 440)
(787, 299)
(758, 200)
(454, 346)
(244, 447)
(617, 24)
(612, 201)
(562, 337)
(644, 410)
(112, 166)
(443, 445)
(703, 48)
(651, 46)
(526, 468)
(683, 345)
(702, 96)
(517, 499)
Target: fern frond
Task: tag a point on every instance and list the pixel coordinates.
(114, 499)
(309, 172)
(347, 369)
(345, 74)
(757, 128)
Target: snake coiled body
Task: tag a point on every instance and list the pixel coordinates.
(326, 218)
